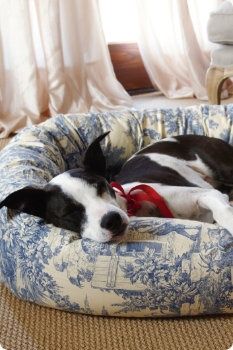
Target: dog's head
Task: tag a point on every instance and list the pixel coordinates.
(80, 200)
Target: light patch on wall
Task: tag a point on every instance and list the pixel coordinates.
(119, 20)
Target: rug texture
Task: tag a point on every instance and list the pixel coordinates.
(26, 326)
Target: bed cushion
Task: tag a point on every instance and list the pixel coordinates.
(164, 267)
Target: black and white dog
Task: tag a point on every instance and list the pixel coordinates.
(190, 172)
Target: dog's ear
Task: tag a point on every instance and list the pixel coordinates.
(29, 200)
(94, 159)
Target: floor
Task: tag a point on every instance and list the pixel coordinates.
(155, 100)
(27, 326)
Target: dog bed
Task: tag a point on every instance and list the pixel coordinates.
(164, 267)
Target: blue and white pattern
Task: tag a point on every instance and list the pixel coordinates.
(164, 267)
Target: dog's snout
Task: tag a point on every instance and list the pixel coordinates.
(113, 222)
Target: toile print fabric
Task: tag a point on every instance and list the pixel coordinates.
(164, 267)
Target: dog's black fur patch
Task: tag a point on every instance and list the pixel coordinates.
(142, 169)
(212, 152)
(63, 211)
(50, 204)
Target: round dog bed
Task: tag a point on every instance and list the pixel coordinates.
(164, 267)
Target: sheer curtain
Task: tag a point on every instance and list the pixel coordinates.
(174, 46)
(53, 59)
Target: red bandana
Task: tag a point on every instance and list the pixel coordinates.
(146, 193)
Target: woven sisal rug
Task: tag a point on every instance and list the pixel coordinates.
(25, 326)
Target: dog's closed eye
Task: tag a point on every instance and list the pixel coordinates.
(103, 189)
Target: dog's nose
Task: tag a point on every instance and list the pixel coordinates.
(113, 222)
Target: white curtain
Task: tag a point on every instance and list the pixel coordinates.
(53, 59)
(173, 42)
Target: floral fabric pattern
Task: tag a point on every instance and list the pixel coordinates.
(164, 267)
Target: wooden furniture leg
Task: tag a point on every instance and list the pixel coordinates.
(215, 77)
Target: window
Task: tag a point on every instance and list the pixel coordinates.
(120, 29)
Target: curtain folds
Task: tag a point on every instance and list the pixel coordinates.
(53, 59)
(174, 46)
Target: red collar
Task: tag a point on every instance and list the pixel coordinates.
(146, 193)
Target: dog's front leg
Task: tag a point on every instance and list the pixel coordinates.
(218, 203)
